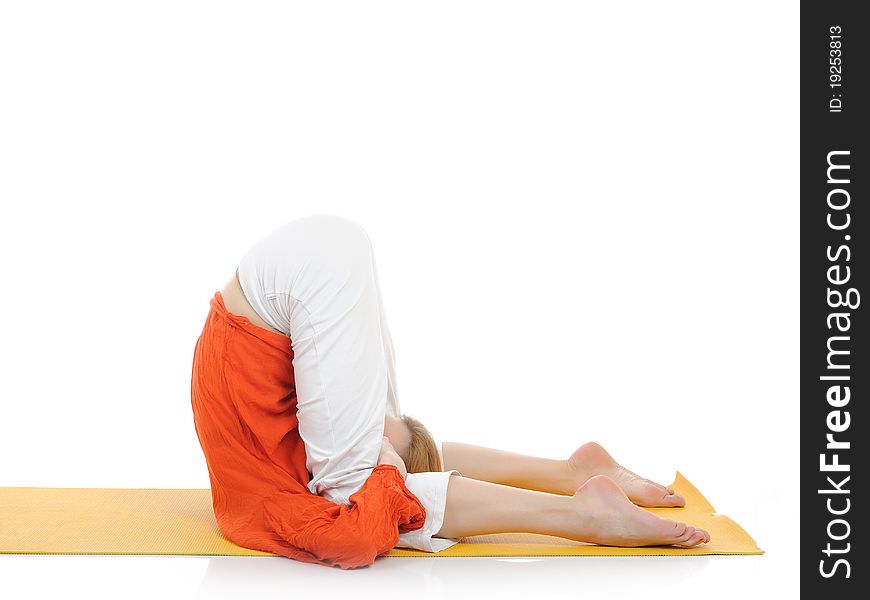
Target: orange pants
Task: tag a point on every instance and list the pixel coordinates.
(244, 407)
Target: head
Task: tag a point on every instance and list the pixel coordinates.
(413, 442)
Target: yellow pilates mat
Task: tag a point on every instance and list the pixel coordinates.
(181, 521)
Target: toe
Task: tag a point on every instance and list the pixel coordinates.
(689, 533)
(679, 530)
(697, 538)
(648, 493)
(655, 495)
(692, 540)
(674, 499)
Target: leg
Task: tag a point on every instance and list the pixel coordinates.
(509, 468)
(552, 475)
(598, 512)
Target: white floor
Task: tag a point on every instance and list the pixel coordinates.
(774, 574)
(164, 577)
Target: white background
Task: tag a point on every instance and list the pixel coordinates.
(585, 217)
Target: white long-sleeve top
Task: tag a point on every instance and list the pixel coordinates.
(315, 280)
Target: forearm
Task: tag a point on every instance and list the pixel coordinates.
(508, 468)
(309, 527)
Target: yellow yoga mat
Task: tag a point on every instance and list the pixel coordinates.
(175, 521)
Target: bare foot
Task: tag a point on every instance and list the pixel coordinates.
(591, 459)
(607, 517)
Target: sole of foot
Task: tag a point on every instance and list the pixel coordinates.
(592, 459)
(607, 517)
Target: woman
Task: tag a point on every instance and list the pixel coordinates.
(293, 391)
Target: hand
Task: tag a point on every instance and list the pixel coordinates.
(389, 456)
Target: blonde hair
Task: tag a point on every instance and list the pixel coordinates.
(422, 453)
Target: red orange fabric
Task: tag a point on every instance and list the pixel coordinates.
(244, 406)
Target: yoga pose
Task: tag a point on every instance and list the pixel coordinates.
(293, 391)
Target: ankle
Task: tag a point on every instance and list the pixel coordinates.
(569, 477)
(561, 516)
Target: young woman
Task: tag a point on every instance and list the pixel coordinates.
(293, 391)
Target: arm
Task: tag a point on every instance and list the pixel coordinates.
(317, 530)
(389, 456)
(508, 468)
